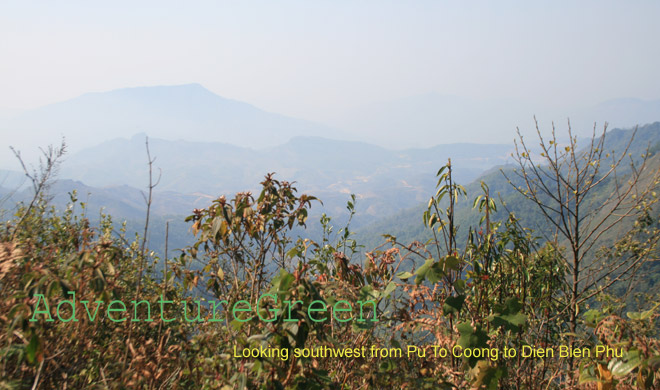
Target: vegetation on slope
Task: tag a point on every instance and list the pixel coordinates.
(498, 288)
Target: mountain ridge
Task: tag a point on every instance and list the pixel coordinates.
(162, 111)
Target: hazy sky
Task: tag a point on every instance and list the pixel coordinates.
(314, 59)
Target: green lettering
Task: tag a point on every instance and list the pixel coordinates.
(135, 314)
(71, 303)
(274, 311)
(98, 304)
(199, 312)
(237, 309)
(46, 312)
(324, 309)
(111, 310)
(215, 306)
(162, 309)
(336, 309)
(373, 304)
(289, 318)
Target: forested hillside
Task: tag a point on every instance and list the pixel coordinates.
(407, 225)
(508, 283)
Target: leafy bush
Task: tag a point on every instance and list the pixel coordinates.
(502, 289)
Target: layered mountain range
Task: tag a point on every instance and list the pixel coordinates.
(205, 146)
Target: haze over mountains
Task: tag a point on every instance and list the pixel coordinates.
(188, 112)
(206, 145)
(193, 113)
(383, 179)
(441, 119)
(407, 225)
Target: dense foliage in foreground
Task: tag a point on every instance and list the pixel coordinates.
(501, 289)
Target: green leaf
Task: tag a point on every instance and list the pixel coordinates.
(508, 316)
(217, 223)
(282, 281)
(624, 367)
(642, 315)
(236, 325)
(432, 220)
(32, 349)
(385, 366)
(452, 263)
(293, 252)
(459, 285)
(368, 293)
(405, 275)
(471, 338)
(453, 304)
(587, 375)
(391, 286)
(421, 272)
(593, 317)
(476, 200)
(486, 377)
(431, 271)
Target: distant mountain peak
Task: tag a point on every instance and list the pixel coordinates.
(188, 111)
(157, 92)
(139, 137)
